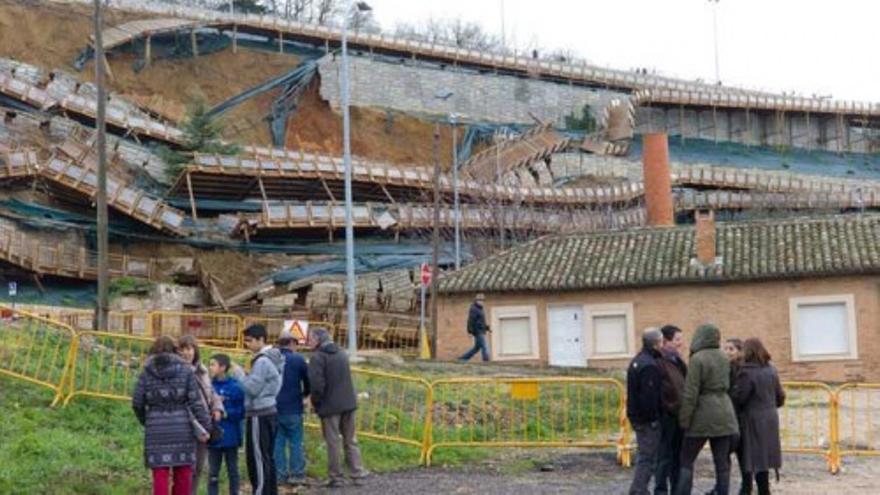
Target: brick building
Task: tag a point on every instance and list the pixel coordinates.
(807, 287)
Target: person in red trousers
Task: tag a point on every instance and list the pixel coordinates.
(166, 401)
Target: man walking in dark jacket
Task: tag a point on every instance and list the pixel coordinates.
(477, 327)
(644, 408)
(334, 400)
(291, 468)
(674, 373)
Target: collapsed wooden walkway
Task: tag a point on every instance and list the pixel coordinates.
(79, 176)
(189, 18)
(65, 260)
(746, 200)
(407, 217)
(536, 144)
(304, 176)
(85, 108)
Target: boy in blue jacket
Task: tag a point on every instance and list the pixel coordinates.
(226, 447)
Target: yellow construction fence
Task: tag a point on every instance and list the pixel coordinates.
(462, 412)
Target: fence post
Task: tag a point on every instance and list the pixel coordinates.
(428, 431)
(149, 328)
(834, 459)
(69, 373)
(239, 341)
(624, 452)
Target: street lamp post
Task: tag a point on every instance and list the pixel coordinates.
(101, 195)
(715, 31)
(446, 94)
(455, 206)
(351, 300)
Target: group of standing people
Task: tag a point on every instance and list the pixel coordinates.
(728, 398)
(193, 415)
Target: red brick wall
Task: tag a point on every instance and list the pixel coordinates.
(740, 310)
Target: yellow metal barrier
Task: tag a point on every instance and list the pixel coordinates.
(35, 349)
(391, 407)
(275, 325)
(528, 412)
(83, 320)
(400, 340)
(858, 419)
(455, 412)
(108, 365)
(211, 328)
(807, 421)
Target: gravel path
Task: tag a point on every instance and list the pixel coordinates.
(571, 472)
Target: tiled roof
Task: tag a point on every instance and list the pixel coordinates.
(651, 256)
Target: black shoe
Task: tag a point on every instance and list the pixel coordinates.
(685, 483)
(332, 484)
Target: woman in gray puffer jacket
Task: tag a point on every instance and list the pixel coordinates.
(165, 400)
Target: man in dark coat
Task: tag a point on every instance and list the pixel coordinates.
(291, 468)
(334, 399)
(477, 327)
(166, 402)
(759, 393)
(644, 407)
(674, 373)
(706, 410)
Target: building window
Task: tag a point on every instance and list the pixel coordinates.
(514, 333)
(823, 328)
(611, 331)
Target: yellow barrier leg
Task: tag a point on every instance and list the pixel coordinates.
(424, 346)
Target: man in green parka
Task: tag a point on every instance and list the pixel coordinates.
(706, 411)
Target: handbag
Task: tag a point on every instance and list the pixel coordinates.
(215, 431)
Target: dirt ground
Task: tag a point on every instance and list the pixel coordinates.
(576, 472)
(400, 139)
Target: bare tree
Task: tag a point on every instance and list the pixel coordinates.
(323, 11)
(457, 32)
(363, 21)
(299, 10)
(465, 34)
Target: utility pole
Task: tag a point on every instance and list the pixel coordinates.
(503, 33)
(498, 183)
(101, 196)
(351, 300)
(456, 209)
(435, 262)
(715, 31)
(349, 227)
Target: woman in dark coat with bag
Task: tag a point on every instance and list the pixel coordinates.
(167, 402)
(758, 393)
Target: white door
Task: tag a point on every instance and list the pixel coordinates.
(566, 335)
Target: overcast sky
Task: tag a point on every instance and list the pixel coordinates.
(808, 46)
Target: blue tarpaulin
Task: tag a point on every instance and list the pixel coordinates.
(798, 160)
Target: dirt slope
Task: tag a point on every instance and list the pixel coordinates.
(399, 139)
(51, 35)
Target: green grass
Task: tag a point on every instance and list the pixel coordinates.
(89, 447)
(94, 446)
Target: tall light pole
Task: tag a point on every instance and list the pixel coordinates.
(445, 94)
(503, 28)
(101, 196)
(453, 121)
(715, 31)
(351, 301)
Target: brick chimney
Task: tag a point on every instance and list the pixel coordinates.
(658, 184)
(705, 237)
